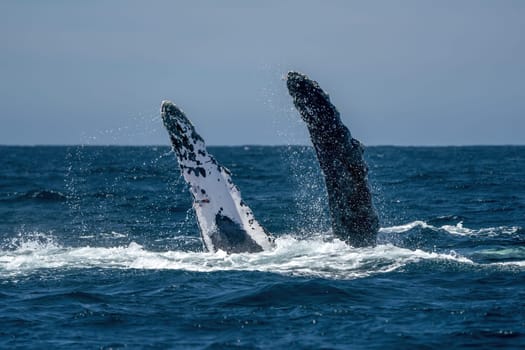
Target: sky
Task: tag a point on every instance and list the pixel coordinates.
(416, 72)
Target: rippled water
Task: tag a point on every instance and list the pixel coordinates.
(99, 249)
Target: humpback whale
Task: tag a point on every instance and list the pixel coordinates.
(340, 157)
(227, 223)
(224, 219)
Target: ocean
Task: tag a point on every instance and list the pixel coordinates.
(99, 249)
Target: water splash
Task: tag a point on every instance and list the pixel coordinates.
(306, 257)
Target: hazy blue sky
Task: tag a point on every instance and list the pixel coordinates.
(400, 72)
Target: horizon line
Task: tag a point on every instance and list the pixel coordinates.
(259, 145)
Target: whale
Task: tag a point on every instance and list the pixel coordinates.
(225, 221)
(340, 156)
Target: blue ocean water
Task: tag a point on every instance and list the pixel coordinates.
(99, 248)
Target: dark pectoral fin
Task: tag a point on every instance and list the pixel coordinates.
(340, 156)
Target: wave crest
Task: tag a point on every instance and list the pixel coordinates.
(311, 257)
(457, 229)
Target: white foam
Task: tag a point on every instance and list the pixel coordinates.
(111, 235)
(511, 263)
(457, 229)
(291, 256)
(405, 227)
(312, 256)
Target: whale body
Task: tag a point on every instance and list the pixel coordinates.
(226, 223)
(340, 157)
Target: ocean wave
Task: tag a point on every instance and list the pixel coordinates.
(457, 229)
(42, 195)
(310, 257)
(504, 253)
(105, 235)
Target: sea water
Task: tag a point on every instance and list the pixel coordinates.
(99, 248)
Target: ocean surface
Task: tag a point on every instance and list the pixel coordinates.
(99, 248)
